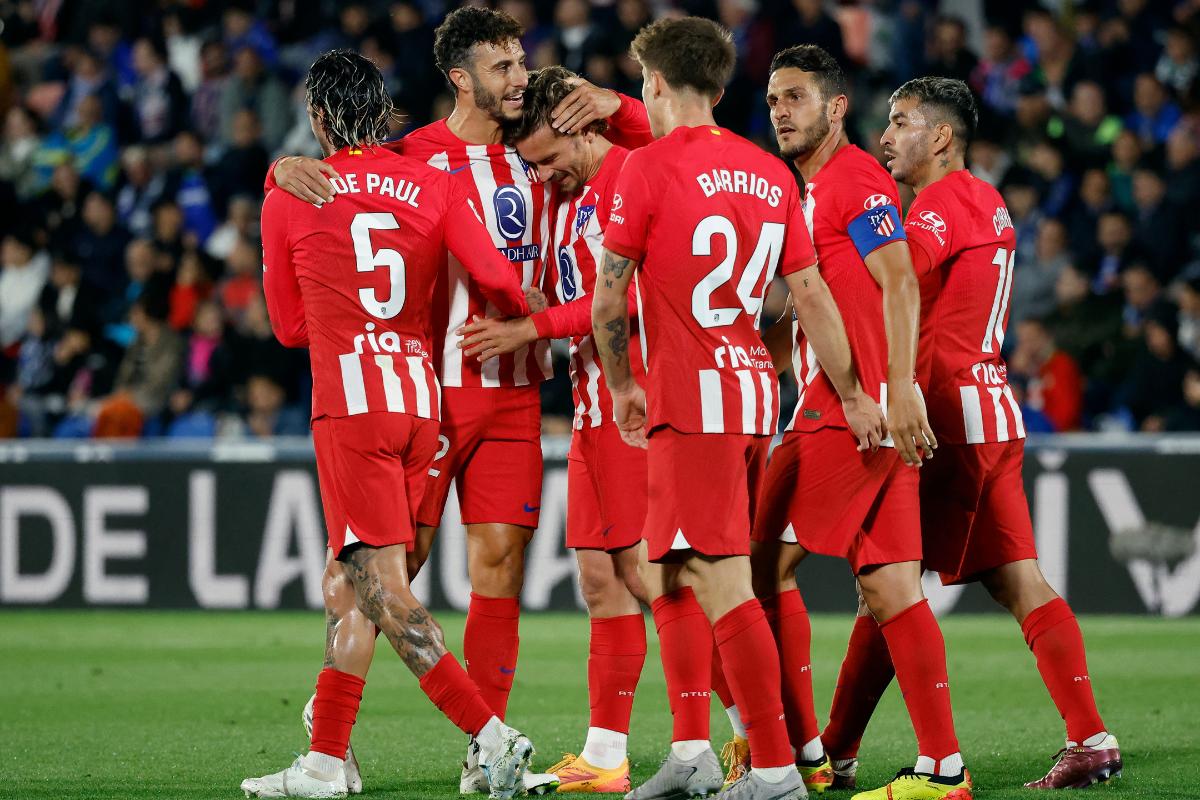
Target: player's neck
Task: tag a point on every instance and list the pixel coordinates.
(685, 112)
(809, 165)
(600, 148)
(939, 168)
(472, 125)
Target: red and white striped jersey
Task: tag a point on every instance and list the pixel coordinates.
(506, 193)
(963, 247)
(578, 225)
(852, 208)
(353, 280)
(709, 216)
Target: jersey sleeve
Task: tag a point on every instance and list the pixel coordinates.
(285, 306)
(573, 318)
(468, 240)
(798, 251)
(928, 232)
(629, 127)
(871, 216)
(633, 207)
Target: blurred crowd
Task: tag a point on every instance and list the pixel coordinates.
(136, 136)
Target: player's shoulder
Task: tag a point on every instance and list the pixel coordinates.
(429, 139)
(856, 176)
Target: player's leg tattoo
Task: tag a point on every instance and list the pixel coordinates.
(386, 600)
(332, 618)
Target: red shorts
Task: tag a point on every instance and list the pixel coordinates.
(606, 490)
(823, 494)
(372, 468)
(973, 509)
(490, 446)
(701, 492)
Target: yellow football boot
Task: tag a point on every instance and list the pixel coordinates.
(576, 775)
(910, 785)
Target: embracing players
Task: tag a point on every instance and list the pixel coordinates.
(353, 281)
(974, 514)
(824, 492)
(704, 217)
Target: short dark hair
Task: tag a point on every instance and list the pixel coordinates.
(547, 88)
(948, 99)
(814, 59)
(466, 27)
(691, 52)
(349, 91)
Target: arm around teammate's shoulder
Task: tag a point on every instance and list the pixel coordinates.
(281, 287)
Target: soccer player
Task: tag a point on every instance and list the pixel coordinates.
(823, 493)
(974, 514)
(606, 479)
(353, 282)
(490, 439)
(704, 217)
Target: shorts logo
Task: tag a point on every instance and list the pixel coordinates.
(566, 274)
(583, 217)
(881, 222)
(509, 203)
(876, 200)
(530, 509)
(934, 221)
(618, 201)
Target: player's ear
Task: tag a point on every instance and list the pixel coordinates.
(461, 79)
(717, 99)
(944, 140)
(838, 107)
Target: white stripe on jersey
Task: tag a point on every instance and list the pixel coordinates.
(460, 303)
(1016, 409)
(764, 378)
(972, 414)
(1008, 279)
(416, 369)
(352, 383)
(593, 383)
(749, 404)
(485, 182)
(637, 295)
(712, 405)
(1001, 417)
(393, 391)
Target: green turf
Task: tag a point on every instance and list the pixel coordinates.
(184, 705)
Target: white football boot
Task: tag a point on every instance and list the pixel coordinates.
(350, 767)
(294, 782)
(505, 765)
(472, 780)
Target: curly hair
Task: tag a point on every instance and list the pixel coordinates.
(547, 88)
(353, 103)
(945, 100)
(466, 27)
(691, 52)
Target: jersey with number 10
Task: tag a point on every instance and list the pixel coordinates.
(710, 216)
(963, 248)
(353, 279)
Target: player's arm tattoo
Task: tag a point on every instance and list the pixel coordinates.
(618, 340)
(414, 634)
(613, 267)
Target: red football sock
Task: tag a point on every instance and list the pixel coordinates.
(864, 676)
(490, 644)
(794, 636)
(719, 684)
(919, 655)
(334, 711)
(751, 662)
(685, 642)
(455, 695)
(1053, 634)
(615, 657)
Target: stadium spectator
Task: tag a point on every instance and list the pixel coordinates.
(1092, 201)
(206, 101)
(1159, 227)
(1142, 292)
(68, 300)
(949, 55)
(1086, 130)
(1058, 62)
(577, 39)
(990, 161)
(1178, 65)
(1021, 198)
(1183, 164)
(239, 169)
(242, 285)
(1186, 415)
(252, 86)
(18, 152)
(1126, 154)
(266, 413)
(24, 268)
(1034, 281)
(997, 77)
(100, 244)
(240, 29)
(240, 223)
(89, 143)
(88, 78)
(59, 208)
(1115, 251)
(1053, 382)
(1189, 312)
(208, 375)
(1086, 326)
(192, 286)
(1154, 385)
(188, 186)
(1054, 184)
(152, 365)
(812, 24)
(142, 187)
(1154, 114)
(156, 97)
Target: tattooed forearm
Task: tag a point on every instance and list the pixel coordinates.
(614, 266)
(618, 341)
(414, 634)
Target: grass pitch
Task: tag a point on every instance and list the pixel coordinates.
(169, 705)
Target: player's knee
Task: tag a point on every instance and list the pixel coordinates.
(631, 578)
(596, 584)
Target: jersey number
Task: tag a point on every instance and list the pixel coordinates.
(751, 286)
(367, 259)
(993, 337)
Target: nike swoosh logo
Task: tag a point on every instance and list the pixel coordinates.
(508, 671)
(607, 530)
(456, 171)
(530, 509)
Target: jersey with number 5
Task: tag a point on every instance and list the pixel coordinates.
(710, 217)
(962, 241)
(354, 279)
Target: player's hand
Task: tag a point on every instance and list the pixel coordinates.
(629, 407)
(488, 337)
(865, 418)
(536, 300)
(909, 425)
(585, 104)
(306, 178)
